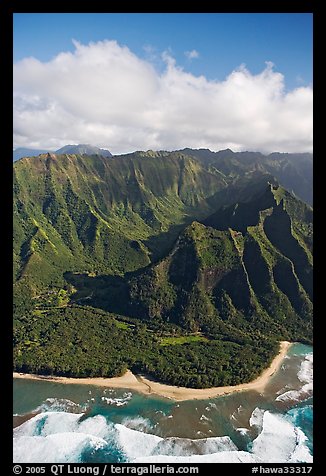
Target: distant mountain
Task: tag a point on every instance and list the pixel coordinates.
(293, 171)
(67, 149)
(25, 152)
(83, 149)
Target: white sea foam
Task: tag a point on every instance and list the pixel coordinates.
(301, 452)
(137, 423)
(305, 375)
(214, 445)
(223, 457)
(57, 405)
(116, 401)
(63, 437)
(280, 441)
(45, 424)
(235, 414)
(56, 437)
(204, 418)
(242, 431)
(282, 389)
(256, 418)
(135, 443)
(296, 413)
(96, 426)
(293, 395)
(57, 448)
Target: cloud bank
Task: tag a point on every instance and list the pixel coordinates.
(103, 94)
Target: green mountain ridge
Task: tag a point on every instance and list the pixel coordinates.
(200, 273)
(100, 215)
(293, 171)
(240, 274)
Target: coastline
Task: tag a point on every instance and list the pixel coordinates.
(146, 386)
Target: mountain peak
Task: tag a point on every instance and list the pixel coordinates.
(83, 149)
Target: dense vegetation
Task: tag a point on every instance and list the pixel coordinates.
(94, 214)
(224, 282)
(158, 262)
(293, 171)
(84, 342)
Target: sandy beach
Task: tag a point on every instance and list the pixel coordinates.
(144, 385)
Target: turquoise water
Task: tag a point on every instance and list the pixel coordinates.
(81, 423)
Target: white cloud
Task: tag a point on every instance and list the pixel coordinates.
(151, 52)
(104, 94)
(193, 54)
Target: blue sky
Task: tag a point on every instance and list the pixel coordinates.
(223, 41)
(201, 45)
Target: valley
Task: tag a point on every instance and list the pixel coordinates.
(165, 263)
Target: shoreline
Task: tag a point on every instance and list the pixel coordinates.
(146, 386)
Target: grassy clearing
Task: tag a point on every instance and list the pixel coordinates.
(122, 325)
(181, 340)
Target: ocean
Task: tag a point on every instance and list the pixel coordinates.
(70, 423)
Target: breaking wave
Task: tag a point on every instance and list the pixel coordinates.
(305, 375)
(60, 437)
